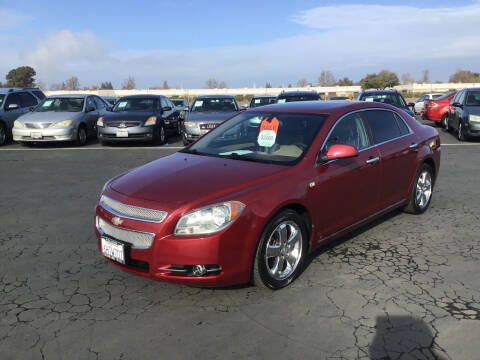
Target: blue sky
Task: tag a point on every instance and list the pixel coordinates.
(242, 43)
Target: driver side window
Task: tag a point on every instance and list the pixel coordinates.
(90, 103)
(349, 131)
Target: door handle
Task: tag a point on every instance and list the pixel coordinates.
(373, 160)
(413, 146)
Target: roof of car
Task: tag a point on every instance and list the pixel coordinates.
(472, 88)
(263, 96)
(216, 97)
(10, 89)
(68, 95)
(373, 92)
(142, 96)
(299, 92)
(321, 107)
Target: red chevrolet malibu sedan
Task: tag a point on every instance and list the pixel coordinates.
(252, 198)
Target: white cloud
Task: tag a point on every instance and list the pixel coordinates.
(350, 40)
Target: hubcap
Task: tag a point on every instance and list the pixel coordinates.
(162, 134)
(284, 250)
(460, 131)
(424, 189)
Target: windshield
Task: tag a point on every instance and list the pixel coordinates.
(215, 104)
(2, 96)
(473, 98)
(177, 102)
(391, 99)
(446, 95)
(262, 101)
(136, 104)
(61, 104)
(277, 138)
(297, 98)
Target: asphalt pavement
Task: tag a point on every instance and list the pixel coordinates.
(404, 287)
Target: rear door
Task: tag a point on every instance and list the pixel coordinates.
(347, 190)
(397, 146)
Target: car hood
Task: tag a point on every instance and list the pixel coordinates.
(50, 116)
(128, 115)
(474, 110)
(214, 117)
(181, 178)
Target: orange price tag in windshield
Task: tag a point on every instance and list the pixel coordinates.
(268, 132)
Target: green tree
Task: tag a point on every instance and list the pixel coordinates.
(464, 76)
(389, 78)
(107, 85)
(345, 82)
(382, 80)
(23, 76)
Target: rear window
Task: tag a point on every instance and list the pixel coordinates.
(383, 125)
(391, 99)
(262, 101)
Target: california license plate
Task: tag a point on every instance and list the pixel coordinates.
(36, 135)
(122, 133)
(113, 250)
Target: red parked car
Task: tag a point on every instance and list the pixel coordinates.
(250, 199)
(437, 109)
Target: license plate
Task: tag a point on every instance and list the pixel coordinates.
(122, 133)
(113, 250)
(36, 135)
(208, 126)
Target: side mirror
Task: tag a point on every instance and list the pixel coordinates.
(90, 109)
(166, 108)
(457, 104)
(12, 107)
(340, 151)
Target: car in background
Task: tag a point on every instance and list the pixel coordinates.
(206, 113)
(182, 104)
(390, 97)
(69, 117)
(336, 98)
(13, 103)
(139, 117)
(111, 100)
(420, 103)
(464, 114)
(252, 198)
(291, 96)
(437, 110)
(260, 100)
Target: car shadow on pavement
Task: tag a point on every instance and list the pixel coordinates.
(399, 337)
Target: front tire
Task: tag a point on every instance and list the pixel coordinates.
(421, 194)
(81, 136)
(281, 251)
(460, 133)
(161, 135)
(3, 135)
(184, 139)
(445, 125)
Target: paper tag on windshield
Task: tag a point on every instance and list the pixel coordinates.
(268, 132)
(47, 103)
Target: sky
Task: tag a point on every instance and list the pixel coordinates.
(244, 43)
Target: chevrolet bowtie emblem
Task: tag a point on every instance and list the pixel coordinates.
(117, 221)
(122, 125)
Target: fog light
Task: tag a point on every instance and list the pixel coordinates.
(199, 270)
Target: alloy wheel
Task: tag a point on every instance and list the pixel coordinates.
(423, 189)
(82, 136)
(162, 134)
(283, 250)
(460, 132)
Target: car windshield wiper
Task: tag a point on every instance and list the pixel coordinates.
(237, 156)
(191, 151)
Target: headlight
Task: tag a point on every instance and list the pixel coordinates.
(100, 122)
(18, 124)
(63, 123)
(474, 118)
(151, 121)
(209, 219)
(190, 123)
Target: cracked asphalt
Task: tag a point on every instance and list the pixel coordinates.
(403, 287)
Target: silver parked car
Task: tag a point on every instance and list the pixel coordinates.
(417, 108)
(61, 118)
(206, 113)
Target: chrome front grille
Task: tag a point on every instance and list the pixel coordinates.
(38, 125)
(132, 212)
(123, 124)
(138, 239)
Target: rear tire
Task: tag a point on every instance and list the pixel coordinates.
(281, 251)
(422, 191)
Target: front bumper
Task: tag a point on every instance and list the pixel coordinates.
(139, 133)
(230, 250)
(48, 134)
(472, 129)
